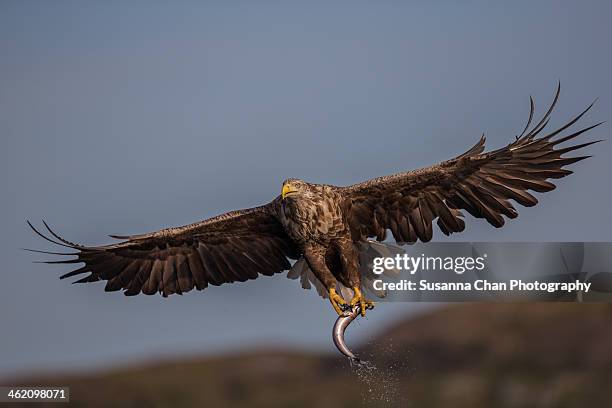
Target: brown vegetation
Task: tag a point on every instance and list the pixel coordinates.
(469, 355)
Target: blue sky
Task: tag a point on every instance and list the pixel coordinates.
(126, 117)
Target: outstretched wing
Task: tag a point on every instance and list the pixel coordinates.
(480, 183)
(235, 246)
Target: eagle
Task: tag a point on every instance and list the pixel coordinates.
(325, 228)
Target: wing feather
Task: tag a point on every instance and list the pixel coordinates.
(480, 183)
(231, 247)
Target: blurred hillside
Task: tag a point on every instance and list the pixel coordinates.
(468, 355)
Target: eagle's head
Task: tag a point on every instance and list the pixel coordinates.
(295, 188)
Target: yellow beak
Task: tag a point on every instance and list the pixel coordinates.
(287, 189)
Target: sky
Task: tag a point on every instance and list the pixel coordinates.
(127, 117)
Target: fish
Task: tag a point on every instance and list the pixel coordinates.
(338, 332)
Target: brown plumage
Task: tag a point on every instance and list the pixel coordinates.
(326, 224)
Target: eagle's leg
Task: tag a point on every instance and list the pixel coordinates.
(349, 257)
(358, 298)
(337, 301)
(315, 257)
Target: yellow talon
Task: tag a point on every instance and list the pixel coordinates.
(337, 301)
(363, 303)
